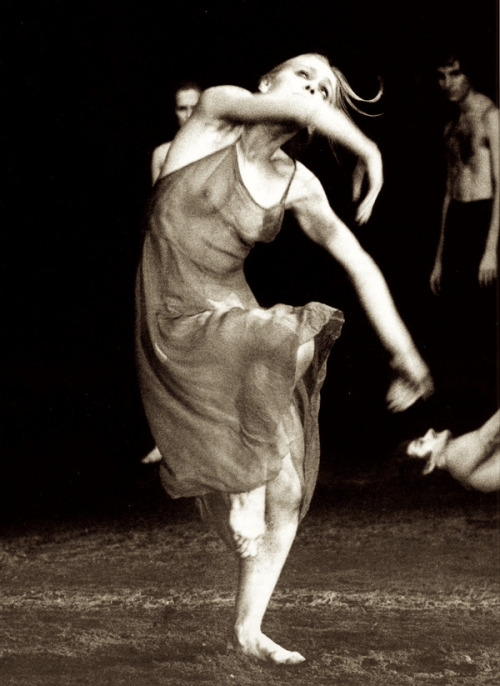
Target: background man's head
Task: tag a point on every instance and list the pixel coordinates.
(453, 79)
(186, 97)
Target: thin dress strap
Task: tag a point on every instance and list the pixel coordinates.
(238, 172)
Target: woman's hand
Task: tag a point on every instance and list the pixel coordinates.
(369, 168)
(488, 268)
(435, 279)
(412, 381)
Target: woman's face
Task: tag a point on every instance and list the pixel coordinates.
(305, 75)
(425, 445)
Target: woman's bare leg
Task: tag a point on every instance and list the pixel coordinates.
(258, 575)
(278, 505)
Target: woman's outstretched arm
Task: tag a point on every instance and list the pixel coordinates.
(322, 225)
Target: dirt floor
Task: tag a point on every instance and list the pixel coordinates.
(392, 580)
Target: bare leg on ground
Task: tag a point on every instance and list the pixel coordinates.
(258, 575)
(277, 505)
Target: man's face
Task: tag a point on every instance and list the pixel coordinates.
(185, 102)
(423, 446)
(453, 82)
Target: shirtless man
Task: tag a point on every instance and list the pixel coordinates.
(472, 179)
(186, 98)
(465, 266)
(472, 458)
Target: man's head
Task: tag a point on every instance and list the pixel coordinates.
(430, 447)
(453, 79)
(186, 99)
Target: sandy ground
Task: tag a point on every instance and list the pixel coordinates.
(390, 581)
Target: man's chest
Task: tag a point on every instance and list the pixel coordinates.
(465, 139)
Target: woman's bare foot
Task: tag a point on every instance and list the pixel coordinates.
(247, 520)
(262, 648)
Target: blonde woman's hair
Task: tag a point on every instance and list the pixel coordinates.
(344, 97)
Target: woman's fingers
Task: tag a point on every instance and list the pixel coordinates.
(412, 382)
(364, 211)
(365, 207)
(486, 277)
(401, 395)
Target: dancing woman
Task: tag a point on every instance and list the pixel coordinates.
(230, 389)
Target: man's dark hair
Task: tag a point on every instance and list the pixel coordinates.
(187, 86)
(445, 55)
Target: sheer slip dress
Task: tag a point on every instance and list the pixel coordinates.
(217, 371)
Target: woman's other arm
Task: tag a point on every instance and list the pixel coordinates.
(322, 225)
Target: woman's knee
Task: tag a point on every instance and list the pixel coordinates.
(285, 492)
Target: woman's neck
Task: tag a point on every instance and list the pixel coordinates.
(262, 141)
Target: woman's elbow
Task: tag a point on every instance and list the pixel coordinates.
(373, 156)
(221, 102)
(210, 102)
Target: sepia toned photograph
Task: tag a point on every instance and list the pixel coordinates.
(250, 421)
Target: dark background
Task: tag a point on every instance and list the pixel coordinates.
(88, 96)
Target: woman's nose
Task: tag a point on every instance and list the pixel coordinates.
(310, 87)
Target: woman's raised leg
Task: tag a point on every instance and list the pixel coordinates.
(247, 510)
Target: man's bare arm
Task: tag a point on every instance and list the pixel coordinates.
(488, 264)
